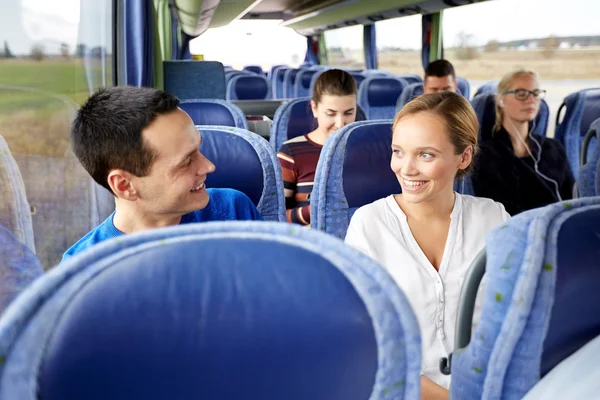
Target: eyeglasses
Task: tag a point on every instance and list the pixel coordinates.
(523, 94)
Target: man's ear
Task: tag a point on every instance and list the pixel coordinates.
(121, 184)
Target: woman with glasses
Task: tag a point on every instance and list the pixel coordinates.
(516, 167)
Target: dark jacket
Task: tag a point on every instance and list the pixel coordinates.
(500, 175)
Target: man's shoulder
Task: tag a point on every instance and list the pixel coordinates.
(105, 230)
(225, 204)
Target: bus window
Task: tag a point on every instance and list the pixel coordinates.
(560, 42)
(399, 45)
(53, 54)
(345, 47)
(241, 43)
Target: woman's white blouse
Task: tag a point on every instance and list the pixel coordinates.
(381, 230)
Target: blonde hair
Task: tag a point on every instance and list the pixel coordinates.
(504, 85)
(458, 117)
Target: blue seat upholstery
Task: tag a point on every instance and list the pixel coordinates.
(210, 311)
(289, 82)
(540, 302)
(410, 92)
(194, 80)
(15, 213)
(590, 161)
(277, 81)
(18, 267)
(246, 162)
(256, 69)
(489, 87)
(485, 108)
(463, 86)
(581, 109)
(214, 112)
(378, 96)
(248, 87)
(302, 83)
(411, 78)
(294, 119)
(358, 78)
(353, 170)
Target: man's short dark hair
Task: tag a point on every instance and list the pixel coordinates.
(440, 68)
(107, 131)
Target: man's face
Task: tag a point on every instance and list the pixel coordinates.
(434, 84)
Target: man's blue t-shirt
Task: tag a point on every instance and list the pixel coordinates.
(224, 205)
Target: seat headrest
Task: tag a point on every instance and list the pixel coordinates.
(251, 87)
(238, 166)
(216, 316)
(367, 175)
(383, 91)
(591, 110)
(575, 315)
(210, 112)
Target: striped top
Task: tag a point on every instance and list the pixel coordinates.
(298, 158)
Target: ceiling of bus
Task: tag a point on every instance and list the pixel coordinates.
(305, 16)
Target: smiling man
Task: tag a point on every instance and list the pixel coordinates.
(139, 145)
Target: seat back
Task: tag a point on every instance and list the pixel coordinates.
(489, 87)
(289, 82)
(590, 162)
(194, 80)
(186, 312)
(214, 112)
(18, 267)
(248, 87)
(410, 92)
(302, 84)
(353, 170)
(15, 213)
(463, 86)
(485, 107)
(256, 69)
(378, 96)
(246, 162)
(581, 109)
(411, 78)
(536, 262)
(277, 81)
(295, 118)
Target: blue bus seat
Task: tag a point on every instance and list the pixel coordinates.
(590, 162)
(248, 87)
(289, 82)
(220, 311)
(15, 212)
(378, 96)
(488, 87)
(18, 267)
(539, 305)
(463, 86)
(410, 92)
(246, 162)
(581, 109)
(302, 83)
(411, 78)
(214, 112)
(255, 69)
(353, 170)
(294, 119)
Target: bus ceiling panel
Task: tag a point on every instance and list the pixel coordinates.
(195, 16)
(355, 12)
(231, 10)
